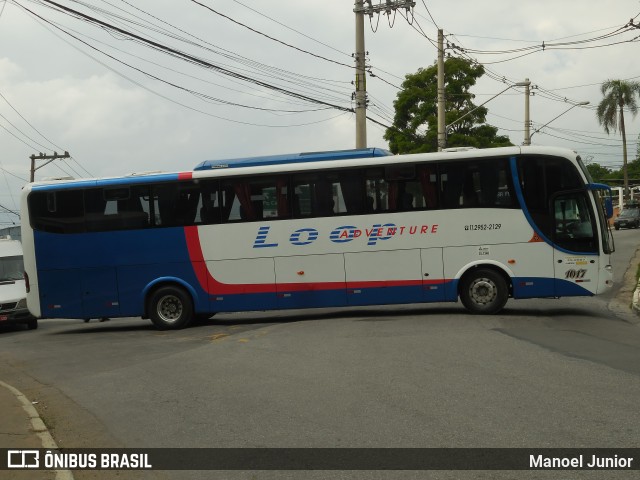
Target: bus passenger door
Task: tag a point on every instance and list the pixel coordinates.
(433, 280)
(304, 281)
(576, 262)
(100, 292)
(384, 277)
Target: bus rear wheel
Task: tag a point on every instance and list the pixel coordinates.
(170, 308)
(484, 291)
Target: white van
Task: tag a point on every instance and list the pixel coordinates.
(13, 302)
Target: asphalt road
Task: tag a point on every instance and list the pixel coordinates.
(543, 373)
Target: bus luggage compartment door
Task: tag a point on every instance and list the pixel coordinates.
(60, 293)
(384, 277)
(100, 292)
(304, 281)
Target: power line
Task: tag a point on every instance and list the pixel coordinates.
(269, 36)
(184, 105)
(174, 53)
(290, 28)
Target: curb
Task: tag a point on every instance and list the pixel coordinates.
(635, 304)
(39, 428)
(629, 278)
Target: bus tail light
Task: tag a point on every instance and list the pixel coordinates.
(26, 282)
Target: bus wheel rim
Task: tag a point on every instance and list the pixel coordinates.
(483, 291)
(170, 308)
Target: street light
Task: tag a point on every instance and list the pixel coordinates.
(518, 84)
(581, 104)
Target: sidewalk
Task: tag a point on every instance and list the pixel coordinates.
(22, 428)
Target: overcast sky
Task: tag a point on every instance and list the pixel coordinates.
(118, 106)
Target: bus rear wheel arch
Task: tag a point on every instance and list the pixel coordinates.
(170, 307)
(484, 290)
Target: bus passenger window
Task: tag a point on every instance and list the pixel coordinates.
(477, 184)
(119, 208)
(209, 207)
(251, 199)
(57, 212)
(176, 204)
(325, 194)
(451, 183)
(377, 191)
(427, 177)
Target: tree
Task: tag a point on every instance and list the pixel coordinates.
(415, 126)
(598, 172)
(618, 94)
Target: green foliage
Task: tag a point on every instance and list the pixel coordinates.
(617, 94)
(603, 174)
(415, 125)
(598, 172)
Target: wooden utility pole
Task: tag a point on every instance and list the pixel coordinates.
(360, 96)
(361, 78)
(42, 156)
(527, 118)
(442, 133)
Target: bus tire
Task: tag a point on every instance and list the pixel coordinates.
(484, 291)
(170, 308)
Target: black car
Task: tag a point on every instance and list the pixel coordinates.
(629, 218)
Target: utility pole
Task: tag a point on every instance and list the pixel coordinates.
(360, 96)
(361, 79)
(42, 156)
(442, 133)
(527, 120)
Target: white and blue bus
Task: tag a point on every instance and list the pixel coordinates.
(325, 229)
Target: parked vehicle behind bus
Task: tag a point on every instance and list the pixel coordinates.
(326, 229)
(13, 302)
(629, 218)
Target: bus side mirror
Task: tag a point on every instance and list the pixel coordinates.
(608, 207)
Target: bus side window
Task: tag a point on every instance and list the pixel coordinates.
(57, 212)
(176, 204)
(210, 211)
(119, 208)
(451, 184)
(306, 202)
(377, 191)
(250, 199)
(324, 194)
(477, 184)
(427, 176)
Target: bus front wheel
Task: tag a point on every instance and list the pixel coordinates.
(170, 308)
(484, 291)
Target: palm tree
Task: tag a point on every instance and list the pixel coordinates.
(618, 94)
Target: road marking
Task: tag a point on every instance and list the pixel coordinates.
(218, 336)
